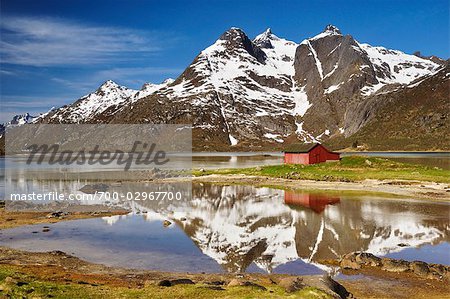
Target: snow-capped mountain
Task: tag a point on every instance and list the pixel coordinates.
(337, 71)
(248, 93)
(104, 101)
(26, 118)
(102, 104)
(228, 89)
(22, 119)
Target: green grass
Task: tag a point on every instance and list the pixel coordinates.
(26, 286)
(349, 169)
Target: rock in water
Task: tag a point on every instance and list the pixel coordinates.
(91, 189)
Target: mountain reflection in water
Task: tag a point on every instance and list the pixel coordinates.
(243, 228)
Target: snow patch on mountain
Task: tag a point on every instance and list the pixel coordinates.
(301, 101)
(149, 88)
(276, 137)
(316, 58)
(107, 95)
(395, 67)
(332, 88)
(281, 53)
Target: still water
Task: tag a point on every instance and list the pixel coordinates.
(243, 228)
(242, 160)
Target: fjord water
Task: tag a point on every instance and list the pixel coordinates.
(243, 228)
(252, 159)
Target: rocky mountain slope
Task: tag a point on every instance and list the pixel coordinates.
(263, 93)
(415, 117)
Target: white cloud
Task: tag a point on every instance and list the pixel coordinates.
(131, 77)
(7, 73)
(54, 42)
(11, 105)
(138, 71)
(13, 102)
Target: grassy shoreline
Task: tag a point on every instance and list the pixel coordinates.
(349, 169)
(16, 282)
(58, 275)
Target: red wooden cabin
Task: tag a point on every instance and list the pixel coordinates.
(309, 153)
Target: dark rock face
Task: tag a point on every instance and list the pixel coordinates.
(237, 38)
(410, 118)
(334, 69)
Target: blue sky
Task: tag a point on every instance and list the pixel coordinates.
(53, 52)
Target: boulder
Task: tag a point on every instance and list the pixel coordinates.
(291, 284)
(419, 268)
(235, 282)
(181, 281)
(367, 259)
(439, 271)
(216, 282)
(391, 265)
(328, 285)
(164, 283)
(348, 261)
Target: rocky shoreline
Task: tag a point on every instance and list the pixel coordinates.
(364, 260)
(61, 267)
(426, 281)
(14, 218)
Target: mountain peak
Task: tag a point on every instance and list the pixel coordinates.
(267, 34)
(332, 29)
(263, 40)
(232, 33)
(109, 84)
(235, 38)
